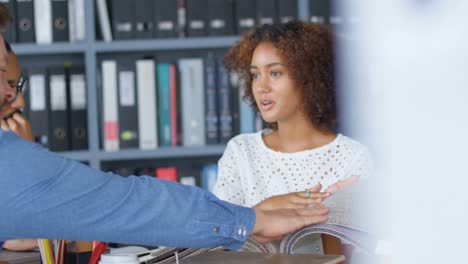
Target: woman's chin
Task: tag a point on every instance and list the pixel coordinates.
(269, 119)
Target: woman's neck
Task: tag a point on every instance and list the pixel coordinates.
(297, 136)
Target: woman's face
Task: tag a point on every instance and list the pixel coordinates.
(12, 75)
(273, 88)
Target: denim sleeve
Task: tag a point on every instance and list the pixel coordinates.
(44, 195)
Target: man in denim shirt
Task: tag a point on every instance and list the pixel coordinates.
(45, 195)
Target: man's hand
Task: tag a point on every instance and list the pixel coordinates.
(272, 225)
(21, 244)
(18, 124)
(294, 200)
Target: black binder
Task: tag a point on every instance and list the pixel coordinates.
(58, 122)
(37, 111)
(266, 12)
(211, 101)
(234, 88)
(245, 14)
(78, 114)
(287, 10)
(123, 19)
(144, 22)
(10, 33)
(220, 17)
(166, 18)
(60, 21)
(128, 104)
(319, 11)
(196, 17)
(225, 102)
(25, 21)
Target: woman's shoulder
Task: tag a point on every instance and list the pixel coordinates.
(245, 140)
(351, 145)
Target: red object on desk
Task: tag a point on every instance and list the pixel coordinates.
(98, 249)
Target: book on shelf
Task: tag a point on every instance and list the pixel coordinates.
(60, 20)
(110, 107)
(319, 11)
(37, 108)
(147, 103)
(144, 19)
(166, 19)
(43, 21)
(266, 12)
(192, 87)
(104, 20)
(168, 174)
(57, 106)
(123, 17)
(76, 89)
(59, 137)
(128, 106)
(287, 10)
(164, 104)
(25, 23)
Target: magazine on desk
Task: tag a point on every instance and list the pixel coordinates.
(347, 221)
(170, 254)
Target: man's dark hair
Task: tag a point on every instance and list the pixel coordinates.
(8, 46)
(5, 17)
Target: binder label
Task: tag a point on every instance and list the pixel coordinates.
(37, 93)
(124, 27)
(58, 95)
(218, 23)
(165, 25)
(317, 19)
(127, 88)
(78, 92)
(197, 24)
(266, 20)
(246, 22)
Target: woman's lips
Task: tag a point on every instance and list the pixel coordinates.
(266, 105)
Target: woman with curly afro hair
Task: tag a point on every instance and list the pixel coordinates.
(288, 74)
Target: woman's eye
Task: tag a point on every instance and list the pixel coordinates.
(254, 75)
(275, 73)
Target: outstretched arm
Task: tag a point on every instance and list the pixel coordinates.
(48, 196)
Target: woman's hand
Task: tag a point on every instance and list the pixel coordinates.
(294, 200)
(18, 124)
(342, 184)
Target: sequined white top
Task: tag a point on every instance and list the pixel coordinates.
(250, 172)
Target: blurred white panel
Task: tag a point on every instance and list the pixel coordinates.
(404, 91)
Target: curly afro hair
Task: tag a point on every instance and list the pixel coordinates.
(307, 51)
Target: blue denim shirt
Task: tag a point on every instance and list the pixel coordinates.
(44, 195)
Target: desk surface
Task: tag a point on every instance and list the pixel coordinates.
(13, 257)
(229, 257)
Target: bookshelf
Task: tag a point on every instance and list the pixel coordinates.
(91, 49)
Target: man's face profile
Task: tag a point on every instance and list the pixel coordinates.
(3, 64)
